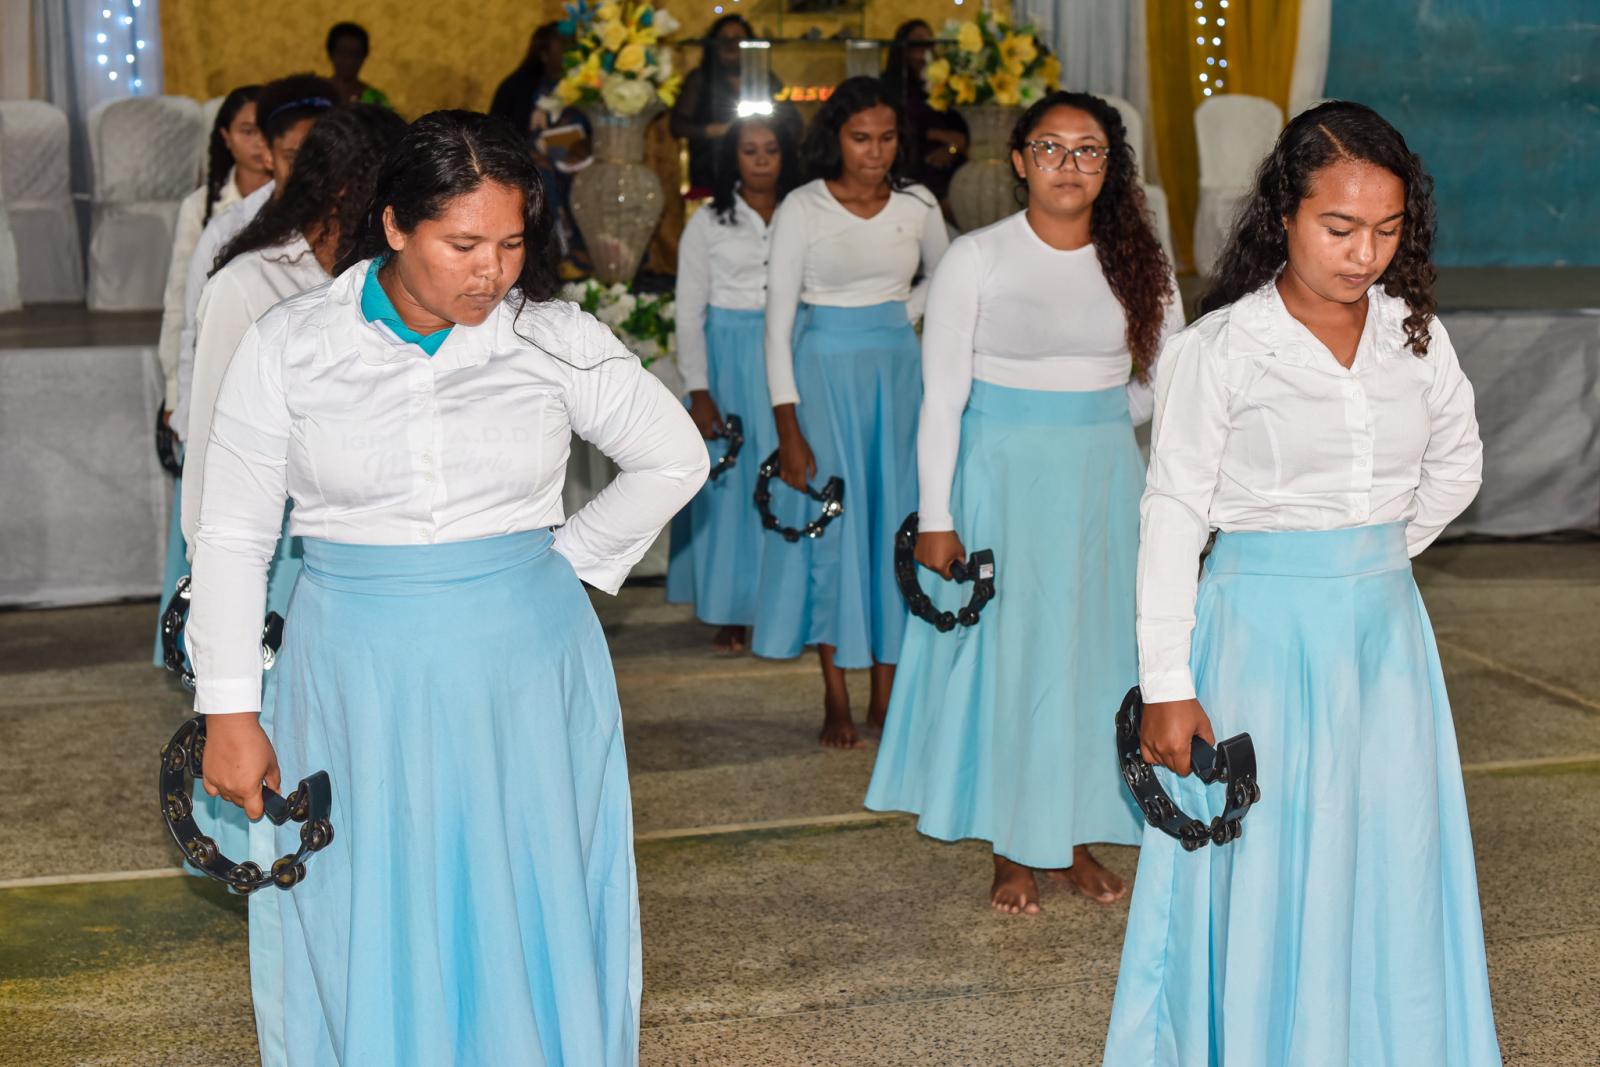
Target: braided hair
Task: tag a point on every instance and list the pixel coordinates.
(219, 159)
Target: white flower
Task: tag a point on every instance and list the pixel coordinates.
(614, 313)
(551, 105)
(625, 95)
(663, 23)
(645, 348)
(663, 68)
(575, 291)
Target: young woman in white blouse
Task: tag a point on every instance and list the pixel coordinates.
(843, 369)
(721, 325)
(1318, 420)
(1040, 338)
(443, 663)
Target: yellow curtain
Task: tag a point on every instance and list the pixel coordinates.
(1252, 46)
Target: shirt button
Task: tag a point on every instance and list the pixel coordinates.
(427, 459)
(427, 476)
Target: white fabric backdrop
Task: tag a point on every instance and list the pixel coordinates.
(83, 502)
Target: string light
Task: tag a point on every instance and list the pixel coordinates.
(1210, 84)
(120, 33)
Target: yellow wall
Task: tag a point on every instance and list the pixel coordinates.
(427, 54)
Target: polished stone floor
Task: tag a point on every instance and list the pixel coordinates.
(783, 925)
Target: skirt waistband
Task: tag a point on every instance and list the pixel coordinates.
(889, 315)
(1311, 553)
(1046, 406)
(407, 569)
(730, 316)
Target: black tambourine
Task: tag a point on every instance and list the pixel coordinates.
(830, 496)
(167, 446)
(733, 433)
(978, 568)
(183, 761)
(1233, 762)
(173, 654)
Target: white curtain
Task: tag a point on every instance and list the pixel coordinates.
(1101, 45)
(1306, 86)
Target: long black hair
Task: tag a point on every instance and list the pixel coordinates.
(725, 190)
(288, 100)
(895, 74)
(820, 149)
(1339, 130)
(1125, 242)
(711, 72)
(446, 154)
(219, 160)
(331, 183)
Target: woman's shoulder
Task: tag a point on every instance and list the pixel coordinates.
(560, 329)
(916, 197)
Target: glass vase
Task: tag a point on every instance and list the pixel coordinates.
(984, 189)
(617, 200)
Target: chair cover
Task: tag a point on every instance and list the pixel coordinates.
(1156, 199)
(1133, 123)
(1233, 134)
(146, 153)
(35, 175)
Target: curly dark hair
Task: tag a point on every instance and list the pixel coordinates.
(820, 148)
(219, 161)
(1339, 130)
(331, 183)
(1125, 241)
(284, 102)
(727, 183)
(446, 154)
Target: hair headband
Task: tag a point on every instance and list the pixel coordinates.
(321, 103)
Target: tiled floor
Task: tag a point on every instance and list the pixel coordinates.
(783, 925)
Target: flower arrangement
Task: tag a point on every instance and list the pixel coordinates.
(993, 63)
(644, 322)
(615, 59)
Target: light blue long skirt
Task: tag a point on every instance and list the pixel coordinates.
(717, 539)
(1004, 731)
(1343, 927)
(859, 373)
(478, 904)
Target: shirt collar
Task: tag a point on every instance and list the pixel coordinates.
(347, 328)
(1260, 324)
(380, 310)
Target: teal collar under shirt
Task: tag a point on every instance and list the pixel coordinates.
(377, 307)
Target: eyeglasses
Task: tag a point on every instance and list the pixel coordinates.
(1052, 156)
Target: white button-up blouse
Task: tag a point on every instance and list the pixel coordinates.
(720, 264)
(1258, 427)
(377, 443)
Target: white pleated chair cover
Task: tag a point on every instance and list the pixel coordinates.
(146, 153)
(1161, 216)
(1233, 134)
(36, 179)
(10, 295)
(1133, 123)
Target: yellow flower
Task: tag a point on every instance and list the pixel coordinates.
(1007, 88)
(607, 12)
(588, 74)
(970, 38)
(936, 73)
(613, 35)
(939, 99)
(643, 35)
(964, 88)
(1017, 51)
(567, 91)
(668, 90)
(1050, 71)
(631, 59)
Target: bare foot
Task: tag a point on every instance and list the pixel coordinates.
(1088, 877)
(1014, 891)
(731, 640)
(838, 728)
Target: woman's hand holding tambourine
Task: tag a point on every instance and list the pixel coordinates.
(938, 549)
(1167, 730)
(238, 759)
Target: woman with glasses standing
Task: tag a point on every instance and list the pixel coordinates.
(843, 369)
(1041, 333)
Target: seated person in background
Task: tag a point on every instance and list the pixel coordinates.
(709, 102)
(560, 144)
(348, 46)
(938, 138)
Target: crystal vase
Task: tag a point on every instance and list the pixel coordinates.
(984, 189)
(617, 200)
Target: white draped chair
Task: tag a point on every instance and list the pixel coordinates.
(1133, 123)
(36, 180)
(1155, 197)
(146, 152)
(1233, 134)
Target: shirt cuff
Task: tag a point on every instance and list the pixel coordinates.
(1171, 685)
(227, 696)
(785, 396)
(606, 575)
(935, 522)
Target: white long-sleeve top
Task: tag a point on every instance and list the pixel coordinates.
(1258, 427)
(234, 297)
(720, 264)
(223, 227)
(1008, 309)
(377, 443)
(185, 236)
(822, 253)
